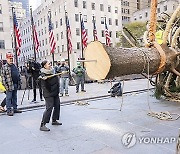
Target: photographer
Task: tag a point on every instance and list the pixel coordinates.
(80, 75)
(34, 68)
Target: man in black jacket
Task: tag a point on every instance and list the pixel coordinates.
(34, 68)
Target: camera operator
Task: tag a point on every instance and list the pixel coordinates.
(34, 68)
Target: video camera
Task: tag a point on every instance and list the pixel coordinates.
(33, 65)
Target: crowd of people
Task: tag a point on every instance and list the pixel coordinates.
(52, 82)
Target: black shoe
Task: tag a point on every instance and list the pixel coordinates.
(17, 111)
(33, 101)
(44, 128)
(10, 113)
(61, 95)
(42, 99)
(56, 123)
(83, 90)
(77, 91)
(66, 94)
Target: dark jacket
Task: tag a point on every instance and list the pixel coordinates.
(50, 86)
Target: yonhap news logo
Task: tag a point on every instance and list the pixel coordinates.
(130, 139)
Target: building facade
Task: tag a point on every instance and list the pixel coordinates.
(111, 9)
(25, 4)
(128, 7)
(164, 6)
(5, 30)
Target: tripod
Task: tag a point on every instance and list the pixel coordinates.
(27, 87)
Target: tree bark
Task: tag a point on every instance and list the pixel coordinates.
(126, 61)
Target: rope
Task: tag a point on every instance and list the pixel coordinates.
(178, 144)
(159, 115)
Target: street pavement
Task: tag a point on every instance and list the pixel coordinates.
(97, 128)
(93, 90)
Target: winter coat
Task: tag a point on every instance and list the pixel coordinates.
(64, 69)
(50, 86)
(79, 71)
(7, 77)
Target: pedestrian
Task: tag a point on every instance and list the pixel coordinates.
(56, 68)
(34, 68)
(11, 81)
(50, 88)
(80, 77)
(64, 78)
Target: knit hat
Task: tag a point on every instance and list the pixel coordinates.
(44, 63)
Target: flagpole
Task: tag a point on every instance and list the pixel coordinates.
(82, 54)
(51, 21)
(32, 26)
(105, 30)
(15, 43)
(66, 19)
(94, 27)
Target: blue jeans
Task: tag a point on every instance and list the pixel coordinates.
(64, 85)
(11, 99)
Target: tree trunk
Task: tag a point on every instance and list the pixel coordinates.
(108, 62)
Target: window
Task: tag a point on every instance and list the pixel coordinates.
(41, 21)
(165, 8)
(116, 22)
(2, 44)
(76, 3)
(61, 22)
(110, 33)
(38, 22)
(102, 33)
(61, 35)
(43, 42)
(116, 9)
(0, 9)
(62, 48)
(146, 14)
(101, 7)
(77, 17)
(78, 45)
(42, 31)
(57, 36)
(117, 34)
(58, 49)
(56, 24)
(158, 10)
(84, 5)
(102, 20)
(46, 41)
(77, 31)
(93, 6)
(110, 21)
(45, 30)
(85, 18)
(44, 19)
(1, 26)
(109, 8)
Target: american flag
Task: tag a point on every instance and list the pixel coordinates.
(36, 41)
(84, 34)
(69, 36)
(17, 34)
(95, 32)
(51, 36)
(108, 40)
